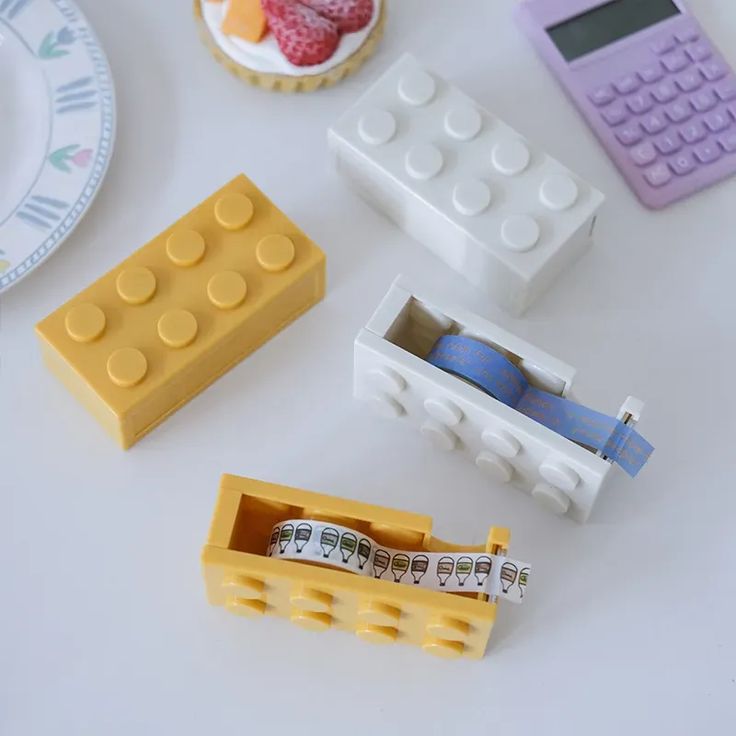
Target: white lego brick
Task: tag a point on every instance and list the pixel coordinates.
(495, 208)
(391, 373)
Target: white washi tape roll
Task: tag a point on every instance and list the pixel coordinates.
(452, 572)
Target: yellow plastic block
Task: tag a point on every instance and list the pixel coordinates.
(153, 332)
(245, 19)
(242, 578)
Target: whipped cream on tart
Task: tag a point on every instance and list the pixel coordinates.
(266, 56)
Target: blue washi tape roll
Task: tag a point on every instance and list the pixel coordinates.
(493, 373)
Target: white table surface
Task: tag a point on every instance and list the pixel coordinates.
(630, 620)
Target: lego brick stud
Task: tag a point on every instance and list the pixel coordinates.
(463, 122)
(446, 627)
(309, 599)
(495, 466)
(377, 127)
(560, 475)
(443, 648)
(84, 322)
(501, 442)
(379, 614)
(233, 211)
(439, 435)
(136, 285)
(245, 606)
(417, 88)
(385, 406)
(243, 585)
(551, 498)
(177, 328)
(559, 192)
(377, 634)
(444, 411)
(127, 367)
(185, 247)
(387, 380)
(520, 232)
(423, 161)
(471, 197)
(275, 253)
(311, 620)
(227, 289)
(510, 157)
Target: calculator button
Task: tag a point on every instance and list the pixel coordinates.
(628, 84)
(650, 74)
(703, 101)
(658, 175)
(679, 111)
(654, 122)
(717, 121)
(643, 154)
(639, 103)
(682, 164)
(699, 51)
(728, 141)
(664, 44)
(675, 62)
(668, 143)
(726, 90)
(601, 96)
(664, 91)
(629, 134)
(707, 152)
(687, 36)
(713, 70)
(693, 132)
(689, 81)
(615, 114)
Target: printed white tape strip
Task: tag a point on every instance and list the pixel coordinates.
(451, 572)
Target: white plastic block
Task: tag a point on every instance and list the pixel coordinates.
(392, 375)
(494, 207)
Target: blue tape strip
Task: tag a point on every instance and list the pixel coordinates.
(496, 375)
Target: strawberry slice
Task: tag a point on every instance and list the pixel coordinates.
(304, 36)
(348, 15)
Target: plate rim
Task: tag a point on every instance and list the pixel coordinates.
(103, 73)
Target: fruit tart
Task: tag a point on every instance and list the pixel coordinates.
(291, 45)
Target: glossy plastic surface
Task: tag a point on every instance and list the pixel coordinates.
(160, 327)
(242, 578)
(662, 101)
(490, 204)
(393, 377)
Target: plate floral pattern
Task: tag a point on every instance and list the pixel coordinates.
(81, 109)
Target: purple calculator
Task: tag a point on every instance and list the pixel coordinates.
(655, 90)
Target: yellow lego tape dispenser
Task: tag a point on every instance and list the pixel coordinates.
(325, 562)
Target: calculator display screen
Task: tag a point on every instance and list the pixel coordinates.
(608, 23)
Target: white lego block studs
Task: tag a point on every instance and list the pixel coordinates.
(494, 207)
(392, 375)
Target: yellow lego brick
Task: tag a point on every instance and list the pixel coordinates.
(159, 328)
(241, 577)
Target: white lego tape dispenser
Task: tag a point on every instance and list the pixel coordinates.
(452, 572)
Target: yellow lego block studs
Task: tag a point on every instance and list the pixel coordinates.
(157, 329)
(254, 520)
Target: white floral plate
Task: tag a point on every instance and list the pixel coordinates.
(57, 125)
